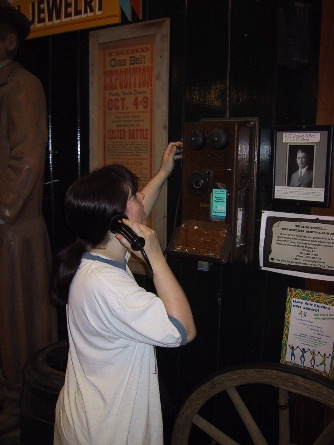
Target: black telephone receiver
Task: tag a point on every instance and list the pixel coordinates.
(116, 225)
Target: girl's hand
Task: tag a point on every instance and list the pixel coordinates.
(171, 153)
(152, 245)
(153, 187)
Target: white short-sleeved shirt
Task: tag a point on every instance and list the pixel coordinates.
(111, 392)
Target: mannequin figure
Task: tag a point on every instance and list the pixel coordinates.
(27, 319)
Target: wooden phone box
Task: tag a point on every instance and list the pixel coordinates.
(218, 190)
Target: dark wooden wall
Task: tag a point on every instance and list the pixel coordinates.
(223, 63)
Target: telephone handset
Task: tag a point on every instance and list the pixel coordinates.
(117, 226)
(136, 242)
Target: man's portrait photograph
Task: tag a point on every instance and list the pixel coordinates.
(300, 166)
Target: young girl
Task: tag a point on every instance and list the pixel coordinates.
(111, 393)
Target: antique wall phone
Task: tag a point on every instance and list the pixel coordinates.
(116, 225)
(218, 190)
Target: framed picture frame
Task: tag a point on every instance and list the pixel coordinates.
(302, 164)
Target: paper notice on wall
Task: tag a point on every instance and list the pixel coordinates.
(300, 245)
(127, 99)
(309, 331)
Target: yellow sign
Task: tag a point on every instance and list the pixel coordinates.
(56, 16)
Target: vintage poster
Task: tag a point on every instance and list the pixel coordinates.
(127, 98)
(309, 331)
(299, 245)
(128, 103)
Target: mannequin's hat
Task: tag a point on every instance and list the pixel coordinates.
(14, 18)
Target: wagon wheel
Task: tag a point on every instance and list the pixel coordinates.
(286, 379)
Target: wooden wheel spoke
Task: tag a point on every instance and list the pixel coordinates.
(284, 422)
(326, 435)
(213, 431)
(247, 418)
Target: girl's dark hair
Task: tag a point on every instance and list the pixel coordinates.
(89, 205)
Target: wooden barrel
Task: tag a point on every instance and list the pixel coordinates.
(43, 378)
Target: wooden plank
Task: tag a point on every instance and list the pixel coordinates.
(213, 432)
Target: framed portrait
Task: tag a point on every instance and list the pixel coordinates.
(302, 164)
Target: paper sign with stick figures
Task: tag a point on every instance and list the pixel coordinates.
(309, 331)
